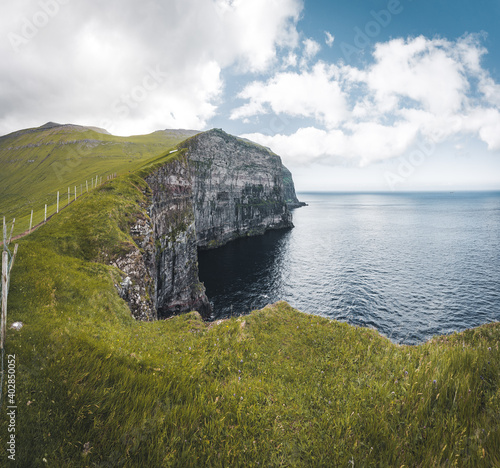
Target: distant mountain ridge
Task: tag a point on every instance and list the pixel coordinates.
(53, 125)
(171, 133)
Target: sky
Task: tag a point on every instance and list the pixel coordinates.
(354, 95)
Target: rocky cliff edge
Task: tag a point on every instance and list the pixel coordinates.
(215, 188)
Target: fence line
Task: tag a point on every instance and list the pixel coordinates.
(95, 182)
(8, 258)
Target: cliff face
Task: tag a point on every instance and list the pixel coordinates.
(178, 288)
(289, 190)
(216, 188)
(138, 286)
(237, 188)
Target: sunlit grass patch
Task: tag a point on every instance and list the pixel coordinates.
(274, 388)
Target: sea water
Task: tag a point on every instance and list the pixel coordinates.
(411, 265)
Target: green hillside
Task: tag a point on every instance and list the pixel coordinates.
(37, 163)
(95, 388)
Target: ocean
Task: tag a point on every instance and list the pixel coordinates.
(411, 265)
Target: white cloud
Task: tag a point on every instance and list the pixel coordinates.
(309, 51)
(311, 48)
(314, 94)
(250, 31)
(366, 143)
(485, 122)
(490, 90)
(329, 39)
(415, 90)
(90, 59)
(290, 60)
(421, 70)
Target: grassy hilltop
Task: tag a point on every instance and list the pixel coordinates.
(95, 388)
(36, 163)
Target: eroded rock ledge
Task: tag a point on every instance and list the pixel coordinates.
(217, 189)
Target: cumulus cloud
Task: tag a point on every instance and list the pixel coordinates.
(314, 94)
(422, 71)
(486, 123)
(329, 39)
(311, 48)
(414, 90)
(311, 143)
(134, 66)
(490, 90)
(290, 60)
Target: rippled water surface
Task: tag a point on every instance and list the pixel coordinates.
(410, 265)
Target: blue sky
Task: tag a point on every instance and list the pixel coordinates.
(352, 94)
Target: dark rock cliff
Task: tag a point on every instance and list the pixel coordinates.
(138, 286)
(289, 190)
(216, 188)
(237, 188)
(178, 288)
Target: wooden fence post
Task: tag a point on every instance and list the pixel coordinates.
(11, 232)
(57, 210)
(6, 269)
(45, 220)
(13, 257)
(5, 266)
(68, 196)
(31, 220)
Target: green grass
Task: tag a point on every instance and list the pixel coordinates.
(35, 164)
(275, 388)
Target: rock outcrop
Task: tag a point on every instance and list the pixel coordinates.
(138, 286)
(237, 188)
(289, 190)
(215, 189)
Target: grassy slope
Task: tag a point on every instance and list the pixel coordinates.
(275, 388)
(37, 163)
